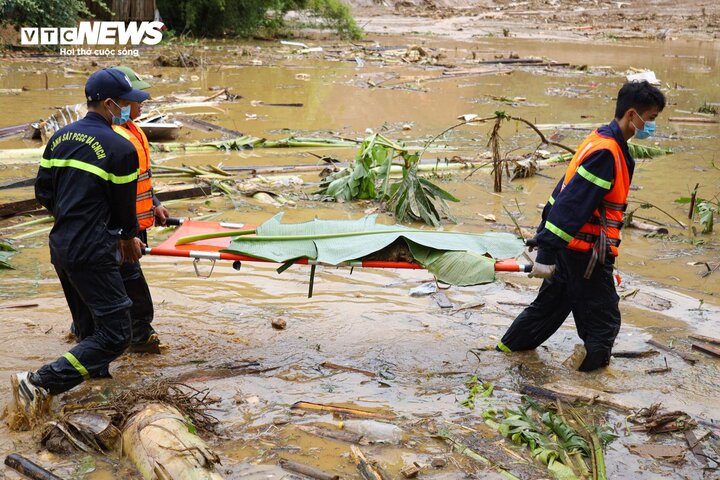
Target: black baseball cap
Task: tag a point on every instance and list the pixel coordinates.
(111, 83)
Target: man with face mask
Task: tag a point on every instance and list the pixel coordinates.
(579, 235)
(148, 210)
(87, 180)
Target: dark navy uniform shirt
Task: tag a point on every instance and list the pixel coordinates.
(570, 209)
(88, 181)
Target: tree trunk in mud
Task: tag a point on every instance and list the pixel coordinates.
(160, 443)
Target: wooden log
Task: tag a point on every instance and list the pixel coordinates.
(688, 358)
(207, 126)
(511, 61)
(693, 120)
(183, 193)
(27, 182)
(634, 354)
(646, 227)
(571, 394)
(24, 206)
(306, 470)
(13, 130)
(703, 338)
(335, 366)
(29, 469)
(367, 471)
(16, 208)
(707, 349)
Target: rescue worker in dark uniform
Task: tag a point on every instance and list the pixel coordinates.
(579, 235)
(87, 180)
(148, 209)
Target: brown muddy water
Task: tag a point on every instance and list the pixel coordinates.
(367, 319)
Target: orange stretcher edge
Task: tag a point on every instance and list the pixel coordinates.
(210, 249)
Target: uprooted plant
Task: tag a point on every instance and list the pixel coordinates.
(560, 443)
(369, 178)
(702, 209)
(528, 166)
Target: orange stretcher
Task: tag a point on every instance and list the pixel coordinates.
(210, 250)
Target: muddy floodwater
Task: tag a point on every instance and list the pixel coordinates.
(419, 353)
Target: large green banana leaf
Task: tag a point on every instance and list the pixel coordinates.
(454, 258)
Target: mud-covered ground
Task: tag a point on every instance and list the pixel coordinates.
(217, 331)
(585, 21)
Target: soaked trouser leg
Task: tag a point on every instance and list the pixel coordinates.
(104, 295)
(142, 309)
(83, 324)
(596, 313)
(543, 317)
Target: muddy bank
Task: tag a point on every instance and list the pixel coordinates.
(585, 21)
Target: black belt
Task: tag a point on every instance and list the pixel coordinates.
(610, 223)
(590, 238)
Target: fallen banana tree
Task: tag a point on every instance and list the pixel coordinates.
(164, 445)
(245, 142)
(155, 427)
(561, 442)
(369, 178)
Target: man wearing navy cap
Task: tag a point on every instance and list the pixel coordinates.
(87, 180)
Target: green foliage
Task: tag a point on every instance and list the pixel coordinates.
(461, 258)
(216, 18)
(568, 438)
(368, 178)
(705, 211)
(475, 388)
(708, 108)
(552, 440)
(416, 198)
(41, 13)
(6, 251)
(645, 151)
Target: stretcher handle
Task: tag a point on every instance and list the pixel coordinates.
(174, 221)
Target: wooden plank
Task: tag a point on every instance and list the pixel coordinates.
(703, 338)
(28, 182)
(15, 208)
(183, 193)
(695, 447)
(23, 206)
(688, 358)
(707, 349)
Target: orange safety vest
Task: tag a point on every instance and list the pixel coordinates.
(143, 203)
(602, 230)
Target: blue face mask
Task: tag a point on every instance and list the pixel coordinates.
(647, 130)
(124, 115)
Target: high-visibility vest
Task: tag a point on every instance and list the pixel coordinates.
(602, 230)
(144, 202)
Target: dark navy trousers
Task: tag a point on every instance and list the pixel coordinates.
(593, 303)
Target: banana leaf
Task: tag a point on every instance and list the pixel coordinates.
(6, 251)
(454, 258)
(455, 267)
(5, 261)
(646, 151)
